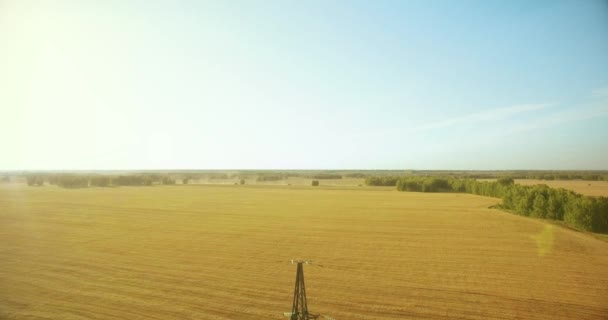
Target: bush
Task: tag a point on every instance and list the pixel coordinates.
(315, 183)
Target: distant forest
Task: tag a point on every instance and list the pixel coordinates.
(85, 180)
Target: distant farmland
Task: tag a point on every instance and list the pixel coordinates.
(222, 252)
(589, 188)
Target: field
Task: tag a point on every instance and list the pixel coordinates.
(588, 188)
(222, 252)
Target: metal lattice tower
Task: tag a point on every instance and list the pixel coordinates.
(299, 309)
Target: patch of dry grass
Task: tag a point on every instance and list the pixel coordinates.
(221, 252)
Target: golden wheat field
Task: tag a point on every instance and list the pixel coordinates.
(222, 252)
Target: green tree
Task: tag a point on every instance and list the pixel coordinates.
(554, 206)
(539, 207)
(505, 181)
(580, 213)
(31, 180)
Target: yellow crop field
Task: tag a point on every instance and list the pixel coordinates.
(222, 252)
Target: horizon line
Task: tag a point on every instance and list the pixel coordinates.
(287, 169)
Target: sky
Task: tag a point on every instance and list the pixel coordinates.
(474, 85)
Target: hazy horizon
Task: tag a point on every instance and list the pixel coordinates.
(271, 85)
(304, 170)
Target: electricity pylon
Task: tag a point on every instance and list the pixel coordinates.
(299, 309)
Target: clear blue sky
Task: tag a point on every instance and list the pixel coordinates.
(304, 84)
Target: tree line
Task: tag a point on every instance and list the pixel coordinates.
(34, 180)
(282, 176)
(539, 201)
(388, 181)
(517, 174)
(83, 181)
(321, 176)
(268, 177)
